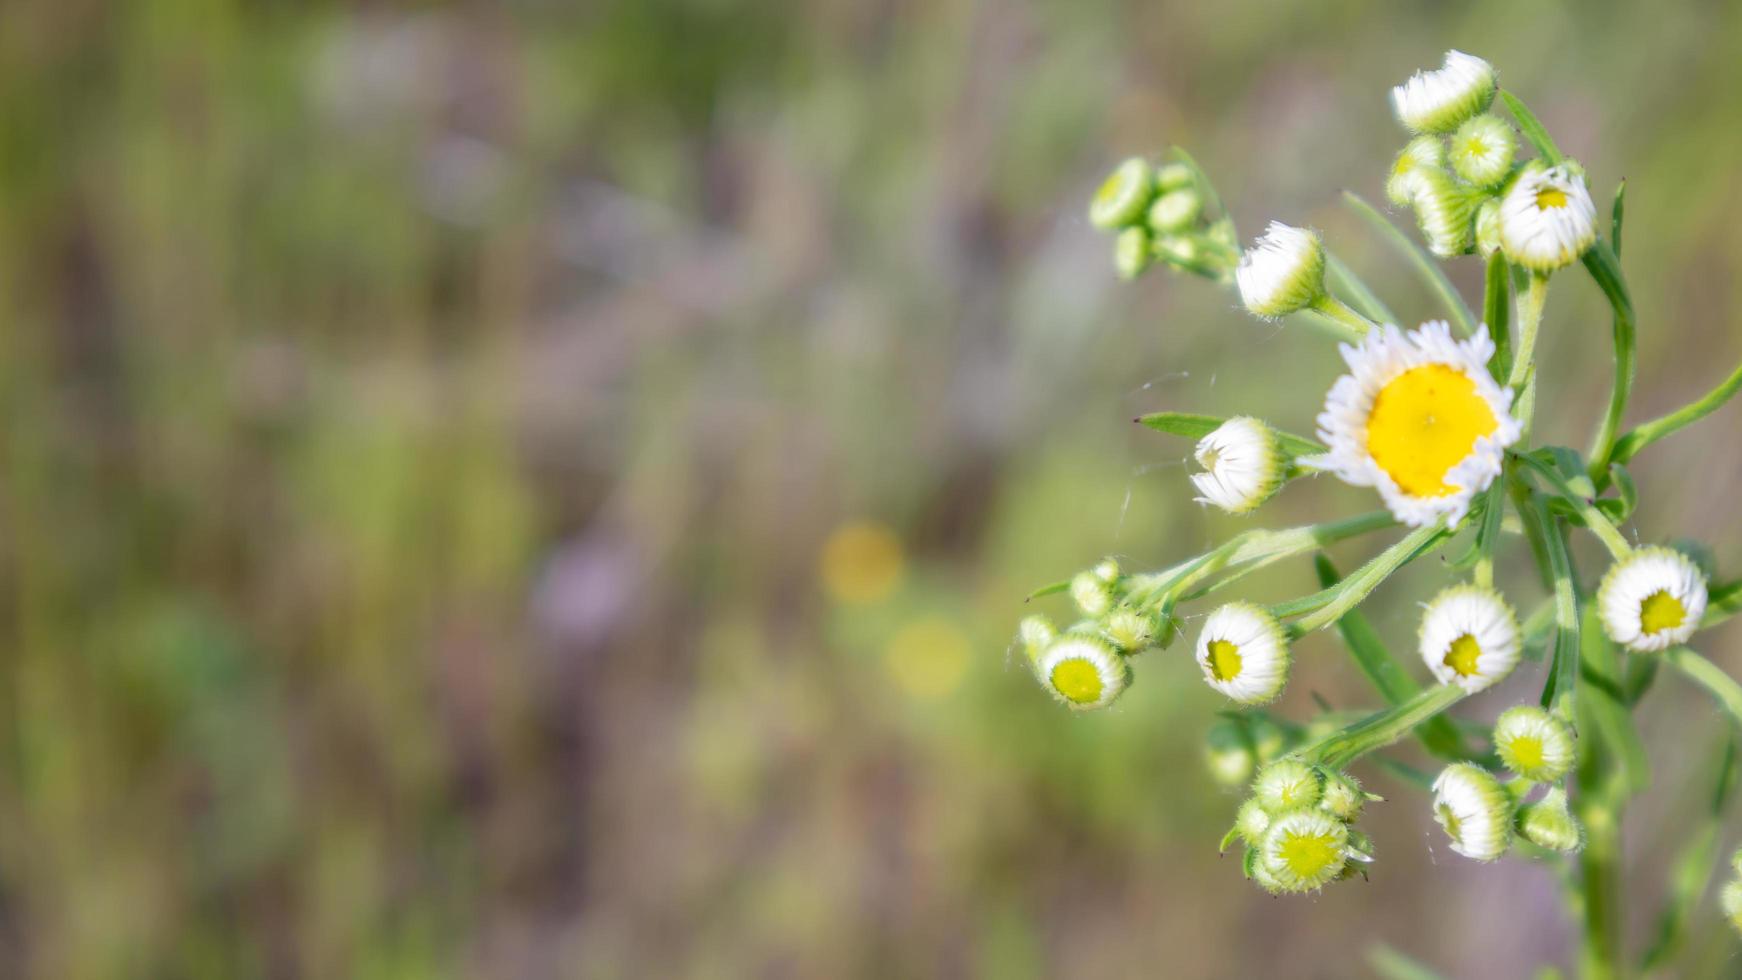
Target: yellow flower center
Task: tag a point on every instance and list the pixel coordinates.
(1424, 422)
(1550, 197)
(1526, 752)
(1661, 611)
(1224, 660)
(1309, 856)
(1475, 147)
(1078, 680)
(1461, 656)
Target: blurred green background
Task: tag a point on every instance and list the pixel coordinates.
(530, 490)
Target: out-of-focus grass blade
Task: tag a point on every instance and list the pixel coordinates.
(1430, 271)
(1725, 601)
(1497, 313)
(1360, 295)
(1711, 677)
(1392, 965)
(1617, 212)
(1692, 870)
(1046, 590)
(1193, 426)
(1531, 127)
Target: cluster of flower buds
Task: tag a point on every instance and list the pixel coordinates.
(1167, 214)
(1483, 814)
(1468, 192)
(1085, 665)
(1242, 743)
(1298, 827)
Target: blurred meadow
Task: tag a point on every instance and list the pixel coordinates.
(537, 490)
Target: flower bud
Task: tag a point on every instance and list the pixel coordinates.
(1251, 821)
(1107, 570)
(1488, 227)
(1132, 630)
(1175, 211)
(1037, 633)
(1228, 754)
(1092, 594)
(1269, 740)
(1438, 101)
(1304, 850)
(1083, 672)
(1422, 154)
(1243, 653)
(1343, 797)
(1288, 784)
(1243, 465)
(1475, 811)
(1123, 196)
(1548, 823)
(1547, 219)
(1283, 272)
(1174, 176)
(1446, 212)
(1730, 899)
(1533, 743)
(1131, 253)
(1481, 151)
(1652, 600)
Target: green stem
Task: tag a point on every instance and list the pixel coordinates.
(1646, 434)
(1523, 377)
(1334, 317)
(1363, 297)
(1261, 547)
(1382, 728)
(1327, 606)
(1595, 520)
(1605, 268)
(1711, 677)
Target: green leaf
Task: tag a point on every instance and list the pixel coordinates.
(1046, 590)
(1723, 601)
(1497, 313)
(1692, 870)
(1616, 212)
(1711, 677)
(1381, 728)
(1360, 296)
(1429, 270)
(1193, 426)
(1531, 127)
(1644, 435)
(1605, 269)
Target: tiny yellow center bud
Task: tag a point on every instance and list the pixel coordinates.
(1224, 660)
(1309, 855)
(1424, 422)
(1550, 197)
(1526, 752)
(1661, 611)
(1463, 655)
(1077, 680)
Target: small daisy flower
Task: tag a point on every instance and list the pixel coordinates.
(1036, 633)
(1243, 653)
(1469, 637)
(1418, 417)
(1653, 599)
(1482, 150)
(1175, 211)
(1343, 797)
(1533, 743)
(1419, 156)
(1446, 209)
(1437, 101)
(1304, 850)
(1123, 196)
(1092, 593)
(1547, 219)
(1283, 272)
(1243, 465)
(1475, 811)
(1083, 672)
(1548, 823)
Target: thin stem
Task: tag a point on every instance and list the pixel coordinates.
(1382, 728)
(1711, 677)
(1363, 297)
(1605, 268)
(1646, 434)
(1523, 378)
(1596, 521)
(1327, 606)
(1425, 266)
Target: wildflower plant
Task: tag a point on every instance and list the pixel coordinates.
(1437, 420)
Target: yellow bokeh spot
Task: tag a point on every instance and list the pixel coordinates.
(1550, 197)
(1424, 422)
(1661, 611)
(1309, 856)
(1461, 656)
(1224, 660)
(1078, 680)
(928, 658)
(861, 563)
(1526, 752)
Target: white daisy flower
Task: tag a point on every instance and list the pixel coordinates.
(1243, 465)
(1475, 811)
(1283, 272)
(1083, 672)
(1419, 418)
(1547, 219)
(1304, 850)
(1131, 630)
(1469, 637)
(1533, 743)
(1422, 154)
(1123, 196)
(1243, 653)
(1652, 600)
(1437, 101)
(1445, 209)
(1482, 150)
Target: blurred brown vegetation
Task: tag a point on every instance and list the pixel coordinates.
(531, 490)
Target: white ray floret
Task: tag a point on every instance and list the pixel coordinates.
(1283, 272)
(1469, 637)
(1533, 743)
(1244, 653)
(1083, 672)
(1243, 465)
(1419, 418)
(1436, 101)
(1475, 811)
(1546, 218)
(1652, 600)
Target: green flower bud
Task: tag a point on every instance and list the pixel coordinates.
(1131, 253)
(1132, 630)
(1228, 754)
(1304, 850)
(1269, 740)
(1534, 744)
(1731, 901)
(1488, 227)
(1424, 153)
(1343, 797)
(1251, 821)
(1475, 811)
(1174, 176)
(1123, 196)
(1175, 211)
(1288, 784)
(1282, 273)
(1482, 150)
(1446, 211)
(1548, 823)
(1092, 594)
(1083, 672)
(1438, 101)
(1037, 633)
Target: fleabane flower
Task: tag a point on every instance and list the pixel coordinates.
(1469, 637)
(1436, 101)
(1124, 195)
(1421, 155)
(1283, 272)
(1132, 630)
(1445, 210)
(1653, 599)
(1474, 810)
(1083, 672)
(1303, 850)
(1549, 823)
(1481, 150)
(1547, 219)
(1036, 633)
(1419, 418)
(1534, 743)
(1244, 653)
(1243, 465)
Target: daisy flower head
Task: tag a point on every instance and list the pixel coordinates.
(1482, 150)
(1419, 418)
(1652, 600)
(1420, 155)
(1283, 272)
(1446, 208)
(1436, 101)
(1243, 653)
(1547, 219)
(1243, 465)
(1304, 850)
(1470, 637)
(1474, 810)
(1083, 672)
(1288, 784)
(1534, 743)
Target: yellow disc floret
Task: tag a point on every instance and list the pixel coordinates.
(1425, 422)
(1077, 680)
(1224, 660)
(1661, 611)
(1463, 655)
